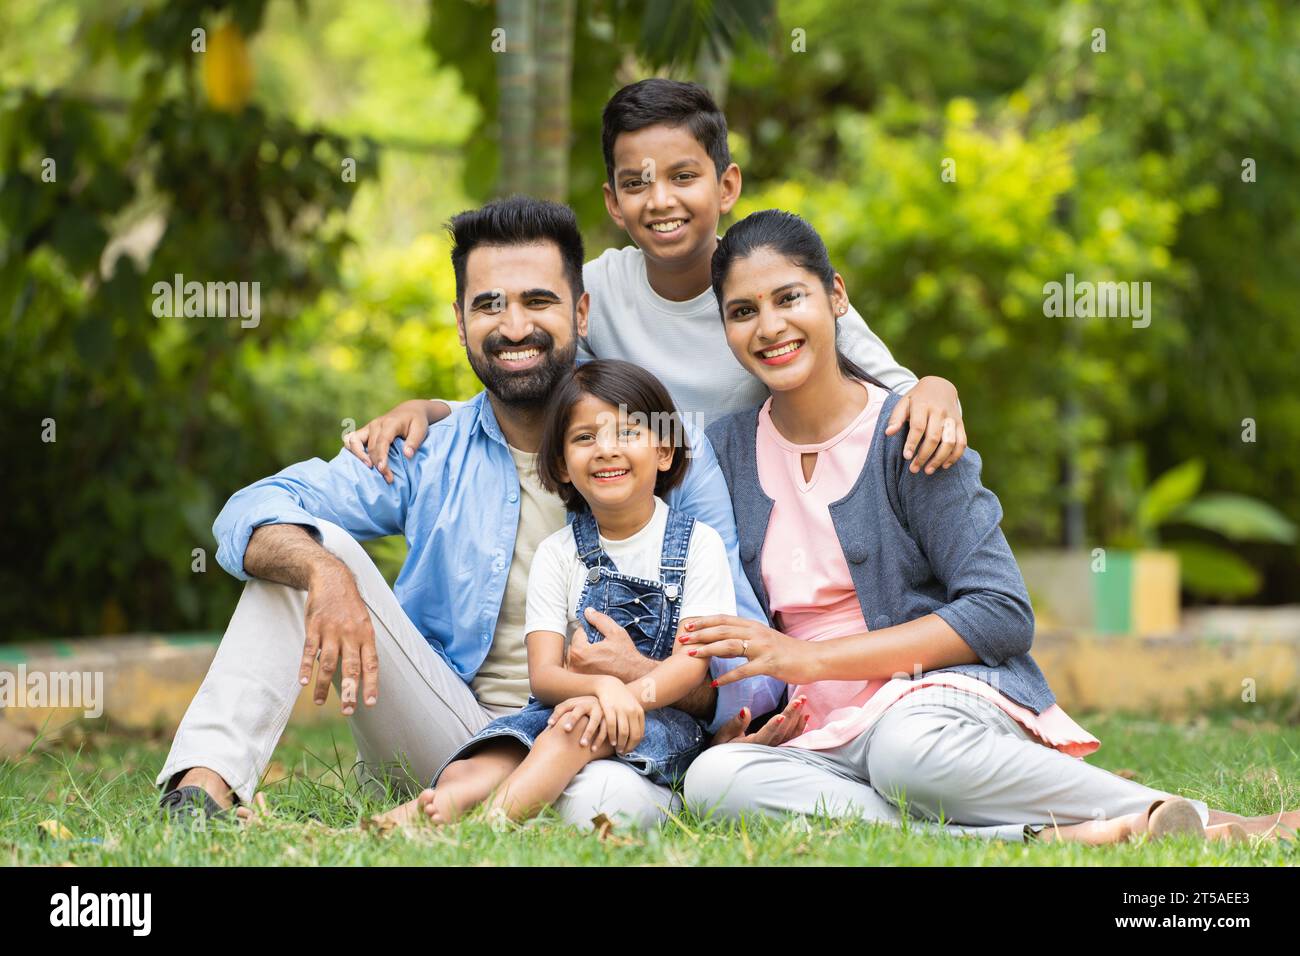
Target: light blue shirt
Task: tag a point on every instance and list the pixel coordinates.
(456, 501)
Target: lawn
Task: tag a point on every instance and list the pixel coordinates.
(98, 787)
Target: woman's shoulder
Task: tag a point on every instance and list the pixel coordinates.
(722, 431)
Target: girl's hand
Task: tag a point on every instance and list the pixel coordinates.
(624, 716)
(584, 713)
(770, 652)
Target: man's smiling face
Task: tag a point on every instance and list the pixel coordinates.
(519, 321)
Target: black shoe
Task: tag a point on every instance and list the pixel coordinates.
(189, 803)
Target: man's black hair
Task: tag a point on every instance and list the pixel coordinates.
(517, 221)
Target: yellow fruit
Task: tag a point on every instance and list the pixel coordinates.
(227, 69)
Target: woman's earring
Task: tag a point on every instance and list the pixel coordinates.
(842, 310)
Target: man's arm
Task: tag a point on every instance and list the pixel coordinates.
(337, 622)
(342, 491)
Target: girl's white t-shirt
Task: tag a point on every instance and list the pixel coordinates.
(556, 577)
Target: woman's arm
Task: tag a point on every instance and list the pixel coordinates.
(955, 523)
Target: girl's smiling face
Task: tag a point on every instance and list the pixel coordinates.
(780, 320)
(612, 460)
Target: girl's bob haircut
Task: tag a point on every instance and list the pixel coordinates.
(637, 394)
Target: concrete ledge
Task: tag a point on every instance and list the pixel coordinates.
(148, 681)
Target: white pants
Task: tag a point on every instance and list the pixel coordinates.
(425, 711)
(945, 754)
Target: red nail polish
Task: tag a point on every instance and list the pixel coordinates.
(713, 683)
(690, 653)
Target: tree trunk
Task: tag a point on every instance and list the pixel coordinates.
(516, 80)
(551, 134)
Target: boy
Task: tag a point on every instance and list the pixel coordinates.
(670, 180)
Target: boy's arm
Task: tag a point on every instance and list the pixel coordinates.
(341, 491)
(927, 404)
(409, 420)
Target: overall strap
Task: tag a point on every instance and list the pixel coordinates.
(587, 536)
(677, 543)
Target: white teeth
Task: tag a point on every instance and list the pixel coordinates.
(783, 350)
(611, 474)
(666, 226)
(519, 356)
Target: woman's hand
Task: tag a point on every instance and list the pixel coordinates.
(787, 725)
(624, 716)
(410, 421)
(770, 652)
(934, 422)
(583, 713)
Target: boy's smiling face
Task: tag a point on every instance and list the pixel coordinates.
(667, 194)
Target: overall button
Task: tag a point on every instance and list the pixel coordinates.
(670, 591)
(593, 575)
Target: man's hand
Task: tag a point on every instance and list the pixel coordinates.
(410, 421)
(616, 655)
(339, 628)
(934, 422)
(787, 725)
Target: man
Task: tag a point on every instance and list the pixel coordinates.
(421, 667)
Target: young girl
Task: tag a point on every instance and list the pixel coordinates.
(609, 451)
(900, 614)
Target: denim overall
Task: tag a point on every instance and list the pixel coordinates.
(649, 612)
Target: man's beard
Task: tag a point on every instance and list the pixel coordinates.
(529, 387)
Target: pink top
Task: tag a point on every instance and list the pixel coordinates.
(812, 597)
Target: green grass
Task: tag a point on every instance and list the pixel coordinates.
(99, 788)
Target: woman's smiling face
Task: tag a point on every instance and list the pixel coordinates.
(779, 319)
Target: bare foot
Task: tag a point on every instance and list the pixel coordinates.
(1172, 817)
(1227, 833)
(410, 813)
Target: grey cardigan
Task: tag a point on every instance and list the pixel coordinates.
(916, 545)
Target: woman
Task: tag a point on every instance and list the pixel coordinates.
(934, 710)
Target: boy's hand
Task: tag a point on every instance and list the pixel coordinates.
(410, 420)
(583, 713)
(934, 422)
(624, 716)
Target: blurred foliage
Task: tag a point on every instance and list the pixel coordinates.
(1123, 165)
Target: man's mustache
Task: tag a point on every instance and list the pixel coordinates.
(500, 344)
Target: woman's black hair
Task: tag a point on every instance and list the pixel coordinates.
(794, 238)
(629, 388)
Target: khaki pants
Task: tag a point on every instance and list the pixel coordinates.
(945, 754)
(425, 711)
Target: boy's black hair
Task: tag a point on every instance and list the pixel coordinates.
(790, 236)
(517, 221)
(670, 103)
(627, 387)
